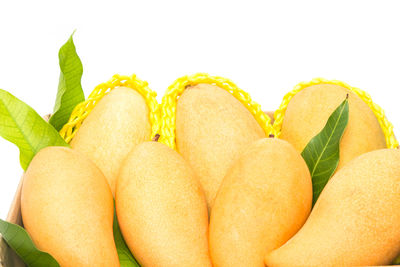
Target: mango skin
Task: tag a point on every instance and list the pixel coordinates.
(212, 127)
(263, 201)
(67, 209)
(118, 123)
(309, 110)
(356, 220)
(161, 208)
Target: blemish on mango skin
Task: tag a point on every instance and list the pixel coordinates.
(308, 111)
(366, 215)
(212, 128)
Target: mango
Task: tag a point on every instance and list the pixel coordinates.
(67, 209)
(356, 219)
(212, 127)
(263, 201)
(309, 110)
(161, 208)
(113, 128)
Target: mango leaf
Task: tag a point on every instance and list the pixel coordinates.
(19, 240)
(21, 125)
(70, 91)
(322, 152)
(126, 258)
(396, 260)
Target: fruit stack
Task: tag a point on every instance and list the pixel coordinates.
(205, 178)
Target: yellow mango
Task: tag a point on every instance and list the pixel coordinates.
(356, 219)
(212, 127)
(309, 110)
(263, 201)
(161, 208)
(114, 127)
(67, 209)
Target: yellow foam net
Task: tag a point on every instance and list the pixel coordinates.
(168, 105)
(162, 117)
(386, 126)
(82, 110)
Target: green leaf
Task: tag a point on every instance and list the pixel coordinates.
(19, 240)
(70, 91)
(126, 258)
(396, 260)
(21, 125)
(322, 152)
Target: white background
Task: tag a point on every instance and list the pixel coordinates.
(264, 47)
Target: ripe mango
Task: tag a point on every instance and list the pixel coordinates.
(67, 209)
(356, 219)
(161, 208)
(114, 127)
(212, 127)
(309, 110)
(263, 201)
